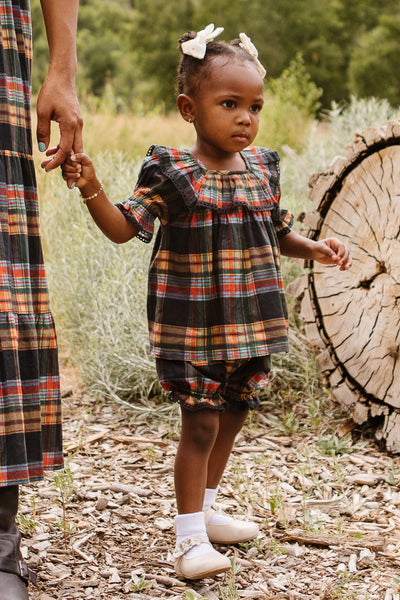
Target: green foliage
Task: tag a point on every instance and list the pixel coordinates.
(374, 63)
(346, 47)
(228, 591)
(192, 595)
(27, 524)
(291, 101)
(154, 36)
(104, 35)
(103, 46)
(335, 446)
(140, 584)
(288, 424)
(295, 88)
(282, 125)
(64, 486)
(323, 141)
(312, 28)
(237, 16)
(40, 48)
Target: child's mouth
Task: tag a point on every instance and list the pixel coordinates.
(240, 137)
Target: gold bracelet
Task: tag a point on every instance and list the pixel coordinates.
(84, 200)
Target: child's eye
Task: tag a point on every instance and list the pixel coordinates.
(255, 108)
(229, 103)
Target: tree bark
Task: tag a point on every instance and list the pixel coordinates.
(353, 317)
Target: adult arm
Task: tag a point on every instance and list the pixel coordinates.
(57, 100)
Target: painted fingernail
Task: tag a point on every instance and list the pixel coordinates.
(71, 187)
(42, 146)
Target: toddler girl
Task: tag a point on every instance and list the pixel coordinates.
(216, 306)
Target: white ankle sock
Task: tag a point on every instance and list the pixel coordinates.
(191, 524)
(209, 499)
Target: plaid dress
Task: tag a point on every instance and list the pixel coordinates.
(215, 290)
(30, 424)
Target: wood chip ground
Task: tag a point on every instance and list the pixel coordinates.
(329, 521)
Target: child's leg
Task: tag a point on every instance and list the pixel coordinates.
(230, 423)
(195, 557)
(196, 389)
(242, 380)
(221, 528)
(199, 433)
(239, 395)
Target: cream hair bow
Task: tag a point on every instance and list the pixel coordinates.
(247, 44)
(198, 46)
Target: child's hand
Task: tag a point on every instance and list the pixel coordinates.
(78, 170)
(331, 251)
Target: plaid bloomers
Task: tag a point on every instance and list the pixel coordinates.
(217, 385)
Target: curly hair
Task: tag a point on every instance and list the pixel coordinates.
(192, 71)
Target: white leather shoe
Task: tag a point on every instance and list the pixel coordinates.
(206, 565)
(234, 532)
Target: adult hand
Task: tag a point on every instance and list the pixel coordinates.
(57, 101)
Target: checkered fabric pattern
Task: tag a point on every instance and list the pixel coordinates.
(30, 406)
(216, 385)
(215, 288)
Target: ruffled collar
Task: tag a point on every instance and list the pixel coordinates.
(256, 186)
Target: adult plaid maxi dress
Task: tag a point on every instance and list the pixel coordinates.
(30, 407)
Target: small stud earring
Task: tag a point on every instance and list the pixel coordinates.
(189, 120)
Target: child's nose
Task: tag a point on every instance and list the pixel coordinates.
(244, 117)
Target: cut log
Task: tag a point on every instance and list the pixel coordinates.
(354, 316)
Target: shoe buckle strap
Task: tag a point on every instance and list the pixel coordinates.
(188, 543)
(18, 567)
(26, 573)
(23, 569)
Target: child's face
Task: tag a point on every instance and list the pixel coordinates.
(227, 107)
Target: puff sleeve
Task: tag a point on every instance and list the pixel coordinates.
(281, 218)
(146, 203)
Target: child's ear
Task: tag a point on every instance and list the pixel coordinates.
(186, 107)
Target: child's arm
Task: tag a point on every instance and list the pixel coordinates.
(329, 251)
(107, 216)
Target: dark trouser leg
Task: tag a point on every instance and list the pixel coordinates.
(13, 571)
